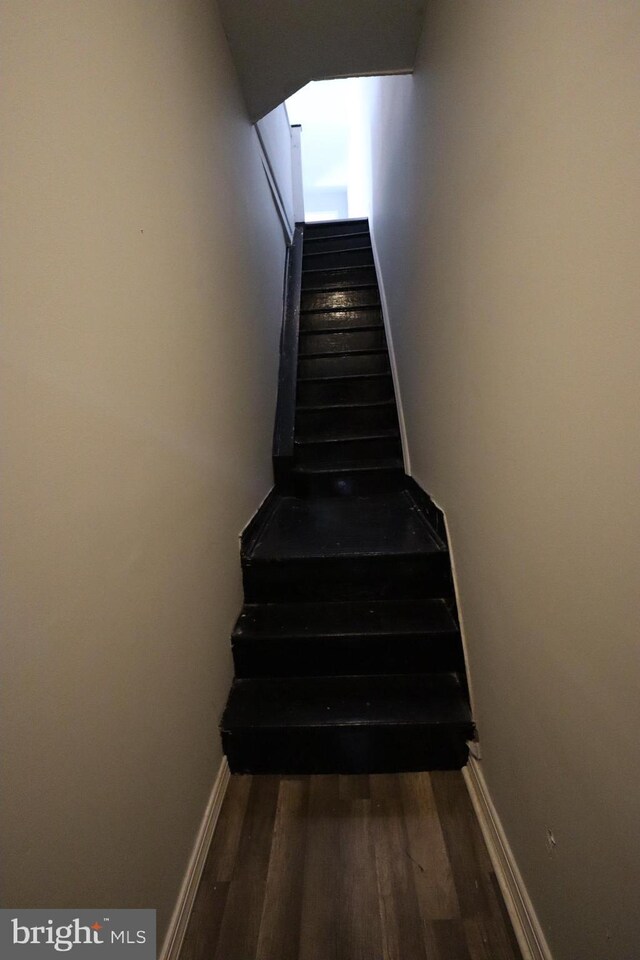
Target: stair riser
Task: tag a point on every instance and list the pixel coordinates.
(335, 227)
(359, 256)
(346, 391)
(331, 419)
(346, 656)
(374, 749)
(346, 450)
(339, 319)
(362, 578)
(343, 342)
(355, 483)
(343, 365)
(338, 279)
(329, 244)
(340, 299)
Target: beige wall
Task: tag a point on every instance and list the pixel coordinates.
(506, 197)
(142, 263)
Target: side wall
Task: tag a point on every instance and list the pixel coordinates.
(141, 307)
(506, 197)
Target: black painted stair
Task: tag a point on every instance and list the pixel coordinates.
(346, 638)
(355, 724)
(347, 652)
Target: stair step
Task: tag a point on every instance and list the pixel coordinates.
(338, 278)
(304, 621)
(365, 405)
(386, 526)
(340, 241)
(333, 228)
(332, 300)
(340, 419)
(337, 548)
(336, 451)
(344, 365)
(352, 466)
(361, 724)
(354, 256)
(354, 389)
(322, 639)
(323, 331)
(347, 434)
(343, 341)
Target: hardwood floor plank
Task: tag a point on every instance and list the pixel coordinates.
(445, 940)
(240, 925)
(402, 932)
(242, 915)
(465, 845)
(432, 870)
(280, 924)
(254, 848)
(487, 939)
(319, 916)
(203, 929)
(226, 839)
(359, 928)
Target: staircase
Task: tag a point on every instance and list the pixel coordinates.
(347, 652)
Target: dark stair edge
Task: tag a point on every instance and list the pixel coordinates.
(344, 376)
(357, 352)
(335, 253)
(389, 434)
(361, 466)
(318, 331)
(347, 405)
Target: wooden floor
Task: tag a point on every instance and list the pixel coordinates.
(385, 867)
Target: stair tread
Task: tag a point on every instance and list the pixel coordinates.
(389, 700)
(342, 288)
(355, 618)
(330, 527)
(347, 405)
(341, 308)
(360, 328)
(335, 236)
(330, 435)
(355, 352)
(351, 466)
(335, 253)
(344, 376)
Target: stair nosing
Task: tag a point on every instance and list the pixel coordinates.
(346, 286)
(305, 408)
(390, 435)
(335, 253)
(322, 469)
(350, 266)
(355, 329)
(342, 309)
(335, 236)
(343, 376)
(342, 353)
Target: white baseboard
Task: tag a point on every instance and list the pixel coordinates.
(392, 353)
(526, 925)
(184, 905)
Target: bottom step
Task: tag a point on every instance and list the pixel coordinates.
(381, 724)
